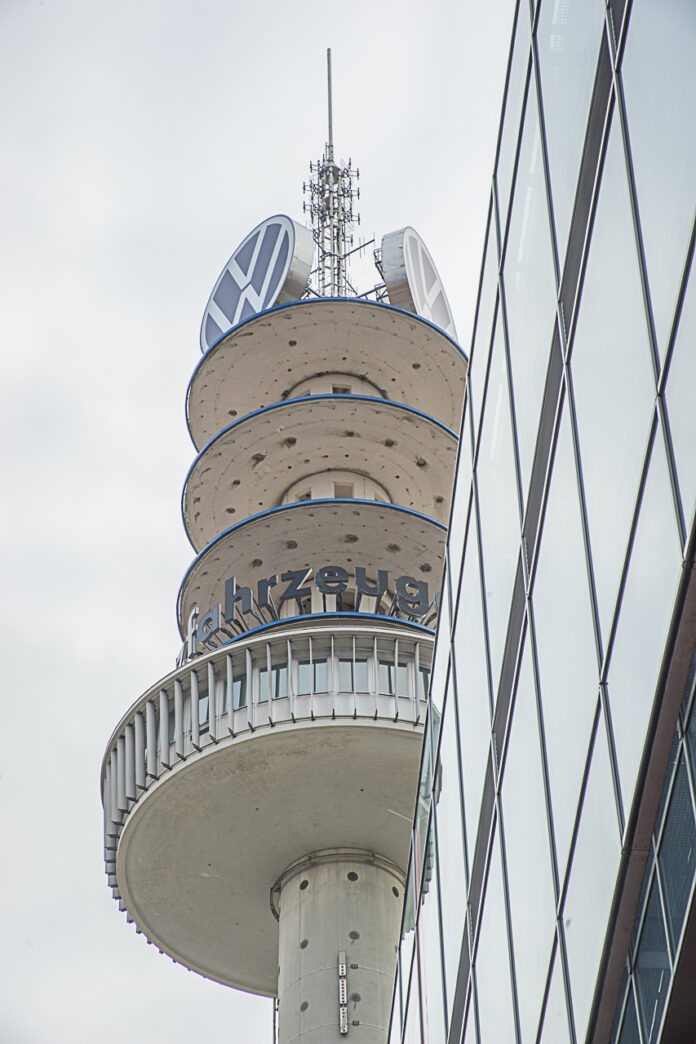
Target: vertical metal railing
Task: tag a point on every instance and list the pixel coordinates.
(165, 729)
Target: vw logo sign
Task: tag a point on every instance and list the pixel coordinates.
(412, 280)
(271, 266)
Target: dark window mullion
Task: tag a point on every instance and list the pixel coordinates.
(672, 471)
(531, 637)
(460, 781)
(635, 213)
(436, 843)
(663, 908)
(570, 1012)
(508, 919)
(647, 459)
(589, 561)
(482, 592)
(545, 163)
(532, 559)
(674, 329)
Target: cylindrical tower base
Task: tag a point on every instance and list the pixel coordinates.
(339, 915)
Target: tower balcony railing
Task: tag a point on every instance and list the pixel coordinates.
(293, 673)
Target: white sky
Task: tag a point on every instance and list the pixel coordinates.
(140, 143)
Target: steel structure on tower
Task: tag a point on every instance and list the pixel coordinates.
(257, 799)
(330, 206)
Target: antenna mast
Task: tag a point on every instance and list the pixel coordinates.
(328, 80)
(330, 195)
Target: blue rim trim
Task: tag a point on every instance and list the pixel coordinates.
(307, 398)
(298, 505)
(316, 618)
(303, 303)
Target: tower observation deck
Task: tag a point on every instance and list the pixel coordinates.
(258, 798)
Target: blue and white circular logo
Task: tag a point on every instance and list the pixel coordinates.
(270, 266)
(412, 280)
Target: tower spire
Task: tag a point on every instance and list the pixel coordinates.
(328, 78)
(330, 193)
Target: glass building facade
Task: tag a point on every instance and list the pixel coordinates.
(553, 852)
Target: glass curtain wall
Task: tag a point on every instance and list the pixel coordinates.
(574, 498)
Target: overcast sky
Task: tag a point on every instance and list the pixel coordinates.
(141, 142)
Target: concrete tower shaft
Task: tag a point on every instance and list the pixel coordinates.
(339, 915)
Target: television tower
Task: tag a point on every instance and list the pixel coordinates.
(258, 798)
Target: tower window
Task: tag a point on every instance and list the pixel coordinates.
(340, 389)
(343, 489)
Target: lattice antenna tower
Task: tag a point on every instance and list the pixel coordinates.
(329, 201)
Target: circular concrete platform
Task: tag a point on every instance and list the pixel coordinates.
(261, 360)
(312, 534)
(251, 464)
(200, 852)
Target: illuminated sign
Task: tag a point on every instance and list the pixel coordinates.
(271, 266)
(412, 281)
(244, 608)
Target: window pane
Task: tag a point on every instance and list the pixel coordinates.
(421, 839)
(555, 1028)
(451, 846)
(472, 689)
(612, 377)
(592, 880)
(321, 676)
(484, 326)
(642, 898)
(680, 400)
(395, 1024)
(499, 505)
(530, 287)
(669, 773)
(385, 673)
(412, 1033)
(239, 689)
(629, 1030)
(362, 683)
(345, 675)
(312, 676)
(568, 669)
(203, 708)
(279, 681)
(470, 1033)
(408, 938)
(431, 962)
(401, 678)
(622, 1002)
(568, 37)
(460, 507)
(441, 657)
(304, 678)
(653, 573)
(677, 852)
(263, 684)
(511, 115)
(492, 961)
(652, 968)
(532, 900)
(659, 77)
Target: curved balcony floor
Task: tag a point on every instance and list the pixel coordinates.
(251, 464)
(203, 812)
(308, 535)
(261, 360)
